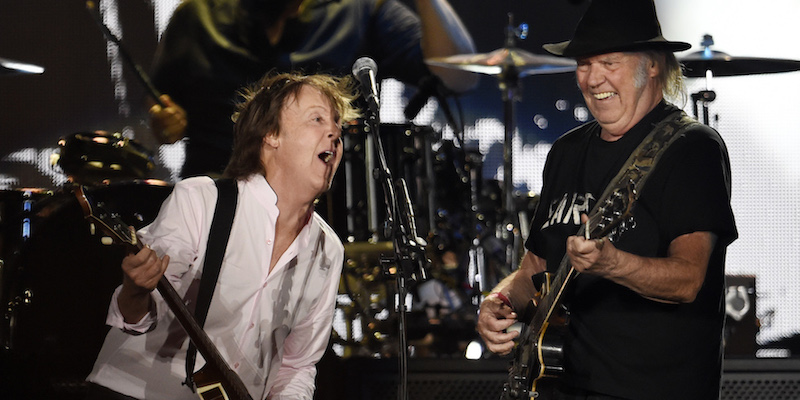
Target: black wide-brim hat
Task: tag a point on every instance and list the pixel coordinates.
(616, 25)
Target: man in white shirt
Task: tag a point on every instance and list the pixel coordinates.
(271, 311)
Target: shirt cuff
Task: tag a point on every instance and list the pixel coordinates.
(116, 320)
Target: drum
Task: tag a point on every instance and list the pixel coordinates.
(91, 157)
(60, 285)
(355, 206)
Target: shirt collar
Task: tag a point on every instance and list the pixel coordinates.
(267, 197)
(263, 191)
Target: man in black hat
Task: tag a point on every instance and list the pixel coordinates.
(645, 307)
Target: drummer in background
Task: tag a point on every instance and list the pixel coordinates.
(212, 48)
(271, 313)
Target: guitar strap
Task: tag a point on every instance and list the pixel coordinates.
(218, 236)
(644, 158)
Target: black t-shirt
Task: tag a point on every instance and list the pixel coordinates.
(210, 50)
(620, 343)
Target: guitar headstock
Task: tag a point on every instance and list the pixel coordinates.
(108, 222)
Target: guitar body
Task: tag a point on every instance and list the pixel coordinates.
(208, 384)
(549, 359)
(538, 358)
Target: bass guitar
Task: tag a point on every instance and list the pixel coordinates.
(216, 380)
(538, 357)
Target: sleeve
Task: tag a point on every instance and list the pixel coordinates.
(306, 344)
(697, 191)
(396, 34)
(114, 318)
(180, 231)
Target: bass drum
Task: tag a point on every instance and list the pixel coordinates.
(60, 286)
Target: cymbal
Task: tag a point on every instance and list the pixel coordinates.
(495, 62)
(722, 64)
(11, 67)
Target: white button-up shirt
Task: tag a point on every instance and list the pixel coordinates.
(271, 327)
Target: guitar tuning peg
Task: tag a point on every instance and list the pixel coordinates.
(92, 229)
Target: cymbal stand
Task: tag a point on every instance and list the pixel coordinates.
(703, 97)
(706, 96)
(509, 86)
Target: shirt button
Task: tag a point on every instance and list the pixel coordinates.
(252, 325)
(236, 365)
(269, 242)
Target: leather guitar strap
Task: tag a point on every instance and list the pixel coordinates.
(215, 251)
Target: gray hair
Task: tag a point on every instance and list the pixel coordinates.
(670, 76)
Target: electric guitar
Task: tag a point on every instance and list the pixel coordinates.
(216, 380)
(538, 358)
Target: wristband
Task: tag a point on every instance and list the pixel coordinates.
(503, 298)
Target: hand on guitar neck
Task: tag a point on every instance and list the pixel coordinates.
(587, 254)
(141, 273)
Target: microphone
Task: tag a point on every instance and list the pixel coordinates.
(366, 71)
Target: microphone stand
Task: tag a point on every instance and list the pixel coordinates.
(409, 249)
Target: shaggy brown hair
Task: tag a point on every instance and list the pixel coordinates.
(259, 114)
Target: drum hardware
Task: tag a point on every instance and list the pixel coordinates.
(12, 309)
(358, 218)
(508, 64)
(60, 280)
(93, 157)
(708, 63)
(365, 305)
(16, 220)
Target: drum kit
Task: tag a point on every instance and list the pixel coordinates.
(55, 275)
